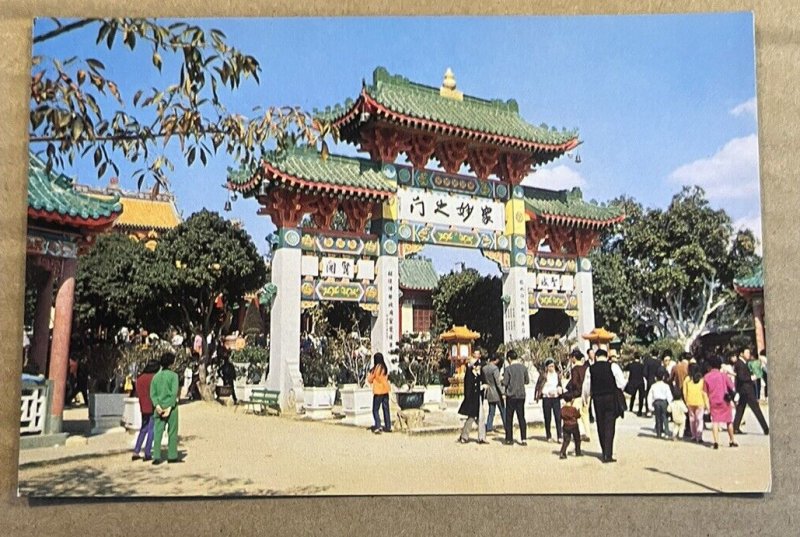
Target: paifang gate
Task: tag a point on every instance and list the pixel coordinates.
(393, 209)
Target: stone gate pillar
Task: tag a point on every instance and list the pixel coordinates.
(386, 326)
(516, 321)
(583, 288)
(284, 329)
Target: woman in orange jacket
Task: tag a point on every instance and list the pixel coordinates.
(379, 379)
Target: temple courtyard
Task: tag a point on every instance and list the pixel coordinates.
(229, 452)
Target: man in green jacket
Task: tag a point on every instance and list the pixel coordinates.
(164, 391)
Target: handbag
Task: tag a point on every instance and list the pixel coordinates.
(619, 404)
(729, 396)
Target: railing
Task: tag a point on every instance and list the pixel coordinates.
(34, 407)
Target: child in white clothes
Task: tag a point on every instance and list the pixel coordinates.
(678, 409)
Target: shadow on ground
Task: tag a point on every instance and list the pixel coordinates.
(141, 479)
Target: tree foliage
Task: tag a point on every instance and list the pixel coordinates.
(78, 111)
(668, 273)
(203, 259)
(467, 298)
(118, 284)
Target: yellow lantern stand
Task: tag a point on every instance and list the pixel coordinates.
(460, 339)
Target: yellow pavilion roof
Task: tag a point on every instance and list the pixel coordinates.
(148, 214)
(143, 210)
(599, 335)
(459, 333)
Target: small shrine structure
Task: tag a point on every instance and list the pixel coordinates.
(460, 339)
(539, 238)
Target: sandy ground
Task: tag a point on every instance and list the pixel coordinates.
(233, 453)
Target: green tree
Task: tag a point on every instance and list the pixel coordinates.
(204, 259)
(467, 298)
(77, 111)
(118, 284)
(668, 273)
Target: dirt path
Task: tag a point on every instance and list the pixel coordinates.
(229, 453)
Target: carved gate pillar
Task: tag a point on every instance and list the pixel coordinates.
(284, 331)
(583, 288)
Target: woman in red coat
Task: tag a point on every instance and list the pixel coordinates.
(142, 390)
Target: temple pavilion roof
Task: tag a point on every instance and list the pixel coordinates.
(305, 168)
(417, 274)
(51, 198)
(752, 283)
(492, 121)
(568, 208)
(141, 210)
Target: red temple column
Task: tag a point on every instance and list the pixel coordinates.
(41, 323)
(758, 322)
(59, 350)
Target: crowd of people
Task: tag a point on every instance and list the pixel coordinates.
(680, 396)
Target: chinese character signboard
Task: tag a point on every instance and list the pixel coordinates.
(448, 209)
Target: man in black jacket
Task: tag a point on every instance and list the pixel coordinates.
(602, 381)
(746, 388)
(635, 383)
(650, 372)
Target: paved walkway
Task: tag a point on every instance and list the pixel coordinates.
(232, 453)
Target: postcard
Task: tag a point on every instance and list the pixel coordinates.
(358, 256)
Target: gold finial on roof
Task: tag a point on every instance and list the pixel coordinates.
(448, 88)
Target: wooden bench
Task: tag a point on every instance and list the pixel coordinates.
(262, 401)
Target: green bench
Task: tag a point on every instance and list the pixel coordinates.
(262, 401)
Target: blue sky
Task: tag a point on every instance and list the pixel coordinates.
(659, 101)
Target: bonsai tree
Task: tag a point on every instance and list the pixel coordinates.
(257, 360)
(419, 361)
(316, 368)
(352, 353)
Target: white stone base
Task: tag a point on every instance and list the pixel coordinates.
(319, 413)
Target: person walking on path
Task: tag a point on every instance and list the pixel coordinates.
(473, 400)
(745, 387)
(635, 385)
(228, 373)
(164, 396)
(696, 400)
(658, 400)
(575, 387)
(676, 378)
(378, 378)
(142, 389)
(603, 379)
(650, 371)
(762, 357)
(549, 390)
(494, 392)
(570, 415)
(719, 389)
(756, 370)
(515, 377)
(678, 410)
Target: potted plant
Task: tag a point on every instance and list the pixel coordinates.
(413, 359)
(252, 364)
(354, 358)
(317, 371)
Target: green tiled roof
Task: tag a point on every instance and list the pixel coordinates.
(568, 204)
(424, 102)
(53, 193)
(753, 281)
(417, 274)
(306, 164)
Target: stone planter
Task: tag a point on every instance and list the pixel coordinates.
(357, 405)
(413, 399)
(132, 414)
(106, 411)
(434, 397)
(318, 402)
